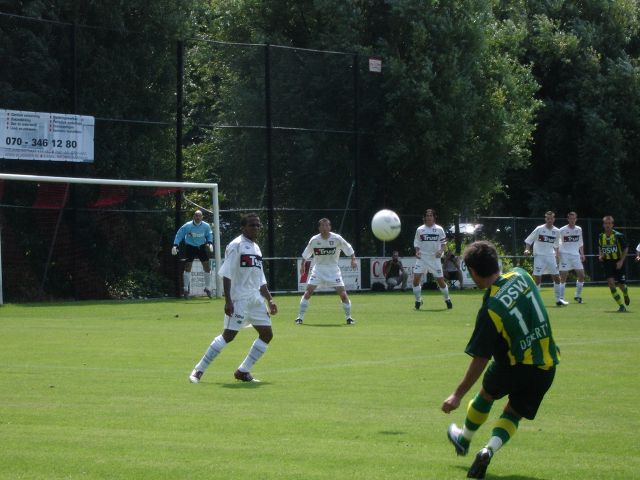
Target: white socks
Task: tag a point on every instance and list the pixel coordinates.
(304, 304)
(445, 292)
(347, 309)
(255, 352)
(212, 352)
(186, 280)
(417, 292)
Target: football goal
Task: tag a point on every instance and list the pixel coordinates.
(71, 237)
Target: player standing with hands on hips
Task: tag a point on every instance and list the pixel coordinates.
(430, 242)
(198, 241)
(245, 292)
(513, 328)
(545, 240)
(325, 249)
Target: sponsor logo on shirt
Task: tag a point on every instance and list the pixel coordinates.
(324, 251)
(250, 260)
(546, 238)
(429, 237)
(571, 238)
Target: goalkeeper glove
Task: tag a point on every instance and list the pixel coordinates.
(174, 250)
(210, 247)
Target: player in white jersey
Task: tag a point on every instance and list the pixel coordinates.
(325, 249)
(430, 242)
(545, 240)
(572, 255)
(245, 292)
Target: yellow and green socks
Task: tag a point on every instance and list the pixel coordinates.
(505, 428)
(477, 413)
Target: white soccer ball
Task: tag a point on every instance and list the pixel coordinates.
(385, 225)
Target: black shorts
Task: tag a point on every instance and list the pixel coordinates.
(201, 253)
(610, 271)
(526, 386)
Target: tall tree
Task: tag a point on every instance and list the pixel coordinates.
(585, 56)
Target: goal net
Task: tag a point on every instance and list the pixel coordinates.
(90, 238)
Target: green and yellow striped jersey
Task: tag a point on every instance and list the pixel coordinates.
(612, 246)
(513, 324)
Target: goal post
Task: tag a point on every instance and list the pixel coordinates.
(213, 187)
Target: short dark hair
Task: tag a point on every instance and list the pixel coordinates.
(324, 219)
(430, 210)
(482, 256)
(244, 219)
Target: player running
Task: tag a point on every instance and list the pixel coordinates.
(430, 242)
(325, 249)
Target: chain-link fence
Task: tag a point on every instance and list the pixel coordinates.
(283, 131)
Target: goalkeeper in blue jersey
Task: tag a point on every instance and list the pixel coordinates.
(513, 328)
(198, 243)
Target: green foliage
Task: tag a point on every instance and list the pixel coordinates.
(585, 56)
(138, 284)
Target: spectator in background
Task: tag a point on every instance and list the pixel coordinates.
(198, 243)
(394, 273)
(451, 270)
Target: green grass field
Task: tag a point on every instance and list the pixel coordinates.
(100, 390)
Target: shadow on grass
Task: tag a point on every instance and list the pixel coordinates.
(491, 476)
(244, 385)
(391, 432)
(325, 325)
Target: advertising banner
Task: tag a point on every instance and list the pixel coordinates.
(46, 136)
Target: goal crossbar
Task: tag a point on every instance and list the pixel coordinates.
(215, 207)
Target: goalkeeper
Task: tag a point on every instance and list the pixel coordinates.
(198, 242)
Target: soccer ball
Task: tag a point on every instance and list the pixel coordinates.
(385, 225)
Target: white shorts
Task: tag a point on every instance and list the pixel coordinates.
(246, 313)
(429, 264)
(326, 276)
(570, 261)
(543, 264)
